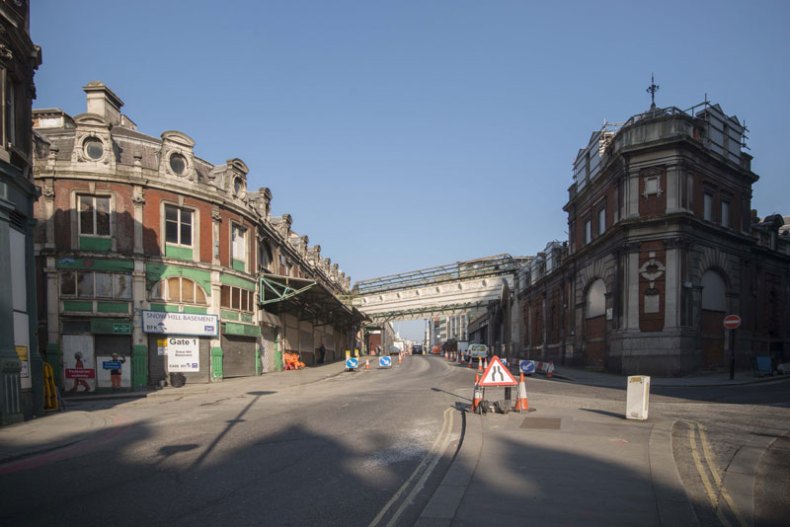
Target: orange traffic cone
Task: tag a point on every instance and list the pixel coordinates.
(479, 364)
(522, 403)
(367, 364)
(485, 363)
(400, 359)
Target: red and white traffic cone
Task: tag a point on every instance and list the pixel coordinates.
(522, 403)
(367, 364)
(479, 364)
(400, 358)
(485, 363)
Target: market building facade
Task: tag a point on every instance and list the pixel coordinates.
(151, 259)
(663, 244)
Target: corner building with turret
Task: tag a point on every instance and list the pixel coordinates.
(152, 261)
(663, 244)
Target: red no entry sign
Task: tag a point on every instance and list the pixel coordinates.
(732, 322)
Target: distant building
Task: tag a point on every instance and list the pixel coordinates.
(21, 392)
(154, 261)
(663, 244)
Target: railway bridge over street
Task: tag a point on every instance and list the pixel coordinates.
(444, 290)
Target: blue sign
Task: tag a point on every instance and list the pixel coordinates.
(527, 366)
(385, 361)
(352, 363)
(111, 365)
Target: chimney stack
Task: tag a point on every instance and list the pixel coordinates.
(103, 101)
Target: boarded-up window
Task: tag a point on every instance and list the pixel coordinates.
(596, 299)
(714, 292)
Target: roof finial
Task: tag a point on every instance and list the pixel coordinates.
(652, 89)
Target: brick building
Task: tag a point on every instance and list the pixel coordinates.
(662, 245)
(153, 261)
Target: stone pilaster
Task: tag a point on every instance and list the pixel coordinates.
(139, 338)
(632, 287)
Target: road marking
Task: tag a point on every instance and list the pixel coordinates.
(709, 465)
(424, 469)
(709, 458)
(704, 476)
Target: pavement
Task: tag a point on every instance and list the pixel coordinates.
(510, 468)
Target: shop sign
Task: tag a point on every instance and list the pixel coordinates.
(109, 326)
(183, 354)
(180, 324)
(122, 328)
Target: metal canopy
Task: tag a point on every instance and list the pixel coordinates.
(304, 298)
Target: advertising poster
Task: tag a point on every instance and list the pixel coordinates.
(114, 371)
(79, 366)
(183, 354)
(24, 360)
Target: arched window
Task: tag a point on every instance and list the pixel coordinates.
(714, 291)
(596, 300)
(178, 290)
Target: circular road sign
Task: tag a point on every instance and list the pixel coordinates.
(732, 322)
(527, 367)
(385, 361)
(352, 364)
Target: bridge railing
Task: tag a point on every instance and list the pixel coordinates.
(490, 266)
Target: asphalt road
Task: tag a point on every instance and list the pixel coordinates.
(356, 449)
(367, 448)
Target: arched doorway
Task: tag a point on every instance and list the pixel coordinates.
(595, 324)
(714, 307)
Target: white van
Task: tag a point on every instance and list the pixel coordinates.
(476, 350)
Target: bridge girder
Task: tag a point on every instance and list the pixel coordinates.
(448, 298)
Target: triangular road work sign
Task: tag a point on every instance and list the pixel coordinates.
(497, 375)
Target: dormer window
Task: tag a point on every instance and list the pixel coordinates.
(93, 148)
(178, 164)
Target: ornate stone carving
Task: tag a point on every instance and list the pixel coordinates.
(652, 270)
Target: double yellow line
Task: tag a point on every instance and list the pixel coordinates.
(423, 471)
(705, 465)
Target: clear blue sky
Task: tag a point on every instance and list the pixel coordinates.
(412, 133)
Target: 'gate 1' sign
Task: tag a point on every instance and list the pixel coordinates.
(732, 322)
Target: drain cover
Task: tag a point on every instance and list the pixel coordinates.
(542, 423)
